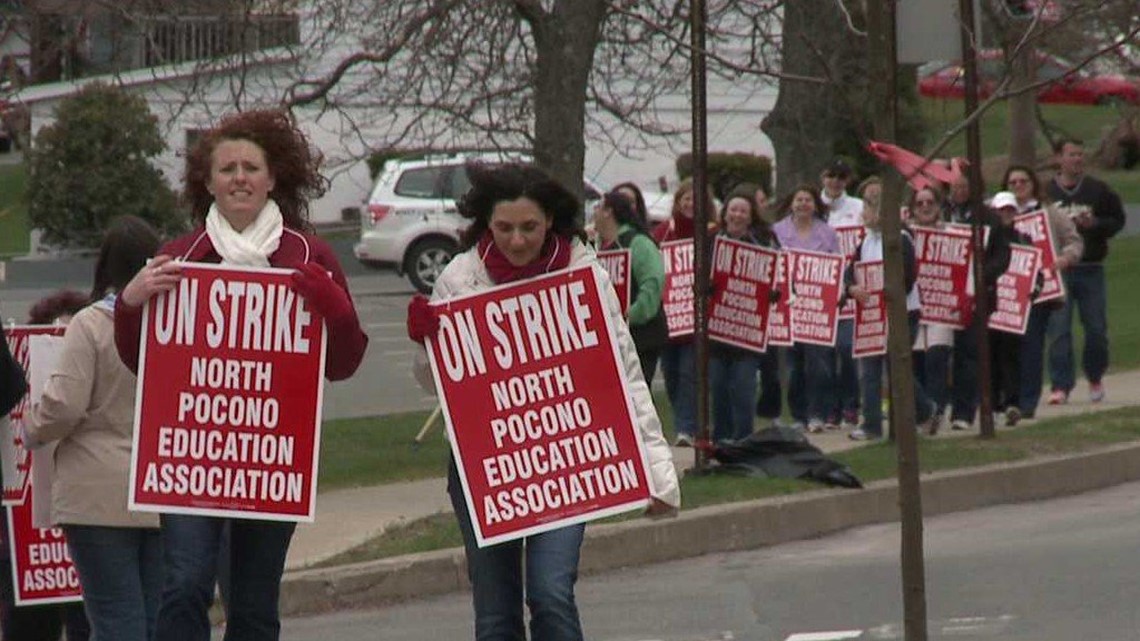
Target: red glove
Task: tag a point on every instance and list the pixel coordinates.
(322, 293)
(423, 321)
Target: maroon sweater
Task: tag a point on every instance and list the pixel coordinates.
(346, 340)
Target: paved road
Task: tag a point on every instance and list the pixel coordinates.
(1050, 571)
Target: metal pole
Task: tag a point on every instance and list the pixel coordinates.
(977, 208)
(700, 223)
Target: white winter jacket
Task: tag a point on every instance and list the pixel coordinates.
(467, 275)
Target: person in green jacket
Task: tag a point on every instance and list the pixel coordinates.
(618, 227)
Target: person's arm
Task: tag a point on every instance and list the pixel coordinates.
(1109, 218)
(1067, 242)
(347, 341)
(662, 472)
(910, 264)
(128, 329)
(67, 394)
(15, 385)
(649, 272)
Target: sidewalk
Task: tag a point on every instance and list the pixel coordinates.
(347, 518)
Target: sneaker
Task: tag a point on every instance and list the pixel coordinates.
(1096, 392)
(1012, 416)
(960, 426)
(934, 423)
(815, 426)
(850, 420)
(858, 434)
(1060, 396)
(683, 440)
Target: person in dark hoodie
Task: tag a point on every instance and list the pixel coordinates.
(1099, 215)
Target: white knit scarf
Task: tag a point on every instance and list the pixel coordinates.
(251, 246)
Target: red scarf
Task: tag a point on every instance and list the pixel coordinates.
(555, 255)
(679, 227)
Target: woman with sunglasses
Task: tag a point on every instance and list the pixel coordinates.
(933, 344)
(1068, 248)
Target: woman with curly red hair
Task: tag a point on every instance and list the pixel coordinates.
(248, 181)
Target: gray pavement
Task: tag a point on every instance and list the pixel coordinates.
(348, 517)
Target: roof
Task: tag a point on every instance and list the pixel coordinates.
(152, 75)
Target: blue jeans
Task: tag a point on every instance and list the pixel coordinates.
(965, 373)
(769, 405)
(932, 369)
(679, 366)
(190, 559)
(846, 374)
(1033, 358)
(120, 569)
(1086, 289)
(810, 394)
(732, 380)
(498, 586)
(871, 380)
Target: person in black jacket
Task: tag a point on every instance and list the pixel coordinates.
(1099, 215)
(995, 260)
(13, 385)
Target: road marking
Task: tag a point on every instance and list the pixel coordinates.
(837, 635)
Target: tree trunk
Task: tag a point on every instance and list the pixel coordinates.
(565, 40)
(807, 119)
(1022, 118)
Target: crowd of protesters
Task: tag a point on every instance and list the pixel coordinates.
(249, 181)
(827, 389)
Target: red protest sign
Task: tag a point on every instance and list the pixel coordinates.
(228, 411)
(870, 316)
(42, 571)
(15, 461)
(1035, 225)
(1014, 287)
(740, 307)
(619, 265)
(816, 280)
(942, 260)
(780, 314)
(537, 406)
(677, 296)
(849, 238)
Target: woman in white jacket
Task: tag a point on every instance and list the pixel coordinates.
(524, 224)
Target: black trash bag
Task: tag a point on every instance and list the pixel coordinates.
(784, 453)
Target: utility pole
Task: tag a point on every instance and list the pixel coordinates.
(977, 209)
(700, 225)
(881, 28)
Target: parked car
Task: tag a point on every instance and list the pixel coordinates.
(411, 223)
(1066, 86)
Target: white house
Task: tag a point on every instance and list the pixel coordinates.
(189, 96)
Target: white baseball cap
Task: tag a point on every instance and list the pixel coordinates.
(1003, 199)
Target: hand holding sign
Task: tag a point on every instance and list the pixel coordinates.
(324, 295)
(423, 321)
(161, 274)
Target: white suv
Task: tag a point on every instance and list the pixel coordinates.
(411, 223)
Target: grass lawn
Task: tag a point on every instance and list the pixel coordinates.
(13, 210)
(871, 462)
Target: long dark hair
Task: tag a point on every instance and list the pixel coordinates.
(495, 183)
(1038, 194)
(292, 162)
(624, 212)
(127, 245)
(639, 207)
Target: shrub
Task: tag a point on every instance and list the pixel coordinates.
(93, 164)
(729, 169)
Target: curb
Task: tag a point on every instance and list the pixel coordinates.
(724, 528)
